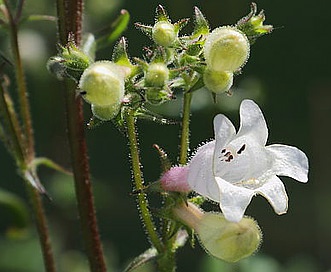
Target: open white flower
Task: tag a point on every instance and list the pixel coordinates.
(236, 166)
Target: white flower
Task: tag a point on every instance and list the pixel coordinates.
(236, 166)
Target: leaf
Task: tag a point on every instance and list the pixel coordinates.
(48, 163)
(149, 255)
(114, 31)
(18, 213)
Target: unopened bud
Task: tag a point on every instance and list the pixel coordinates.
(105, 113)
(102, 84)
(175, 179)
(217, 81)
(163, 33)
(226, 49)
(156, 75)
(228, 241)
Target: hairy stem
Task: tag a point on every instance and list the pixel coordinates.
(69, 24)
(185, 132)
(44, 238)
(21, 139)
(21, 86)
(139, 183)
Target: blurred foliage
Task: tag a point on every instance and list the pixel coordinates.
(288, 74)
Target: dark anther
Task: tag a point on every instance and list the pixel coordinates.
(241, 149)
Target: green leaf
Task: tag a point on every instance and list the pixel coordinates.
(15, 210)
(48, 163)
(114, 31)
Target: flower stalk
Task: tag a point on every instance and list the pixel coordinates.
(185, 132)
(139, 183)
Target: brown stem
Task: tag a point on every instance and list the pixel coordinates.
(42, 228)
(69, 24)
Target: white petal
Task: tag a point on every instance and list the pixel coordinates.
(289, 161)
(224, 130)
(233, 200)
(274, 191)
(201, 177)
(252, 122)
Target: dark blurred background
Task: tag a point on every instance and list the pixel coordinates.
(288, 74)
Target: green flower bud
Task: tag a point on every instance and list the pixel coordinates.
(102, 84)
(105, 113)
(217, 81)
(163, 33)
(156, 75)
(226, 49)
(222, 239)
(226, 240)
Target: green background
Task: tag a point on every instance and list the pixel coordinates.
(288, 74)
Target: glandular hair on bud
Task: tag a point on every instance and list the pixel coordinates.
(105, 113)
(226, 49)
(102, 84)
(156, 75)
(163, 33)
(227, 240)
(217, 81)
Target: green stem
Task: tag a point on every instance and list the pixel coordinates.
(69, 23)
(185, 133)
(139, 183)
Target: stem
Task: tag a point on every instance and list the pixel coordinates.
(42, 228)
(185, 133)
(69, 23)
(23, 140)
(21, 86)
(139, 183)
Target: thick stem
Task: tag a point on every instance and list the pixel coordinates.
(69, 23)
(139, 183)
(185, 133)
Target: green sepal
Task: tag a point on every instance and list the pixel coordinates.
(181, 24)
(252, 24)
(110, 34)
(164, 159)
(201, 25)
(146, 29)
(18, 214)
(120, 54)
(161, 14)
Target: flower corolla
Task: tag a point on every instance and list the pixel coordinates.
(236, 166)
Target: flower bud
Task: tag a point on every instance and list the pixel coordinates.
(175, 179)
(102, 84)
(226, 49)
(163, 33)
(217, 81)
(105, 113)
(156, 75)
(228, 241)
